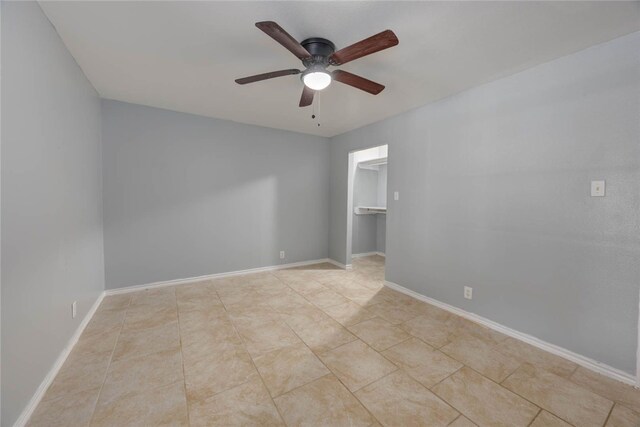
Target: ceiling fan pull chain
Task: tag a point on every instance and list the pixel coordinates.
(319, 95)
(314, 109)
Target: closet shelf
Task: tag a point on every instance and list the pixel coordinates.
(373, 164)
(370, 210)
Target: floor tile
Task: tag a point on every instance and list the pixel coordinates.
(287, 301)
(202, 320)
(433, 312)
(217, 372)
(149, 316)
(289, 367)
(623, 417)
(559, 396)
(466, 328)
(166, 406)
(323, 402)
(137, 342)
(325, 298)
(247, 318)
(379, 333)
(434, 332)
(198, 290)
(349, 313)
(393, 313)
(356, 364)
(482, 357)
(248, 404)
(209, 303)
(79, 374)
(202, 343)
(614, 390)
(304, 317)
(71, 410)
(483, 401)
(524, 352)
(158, 297)
(425, 364)
(98, 342)
(461, 421)
(267, 337)
(399, 400)
(357, 293)
(104, 321)
(142, 373)
(115, 302)
(304, 287)
(323, 335)
(545, 419)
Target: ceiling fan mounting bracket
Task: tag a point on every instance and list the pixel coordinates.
(320, 50)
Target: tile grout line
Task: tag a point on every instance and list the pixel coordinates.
(609, 414)
(252, 361)
(184, 376)
(104, 380)
(534, 418)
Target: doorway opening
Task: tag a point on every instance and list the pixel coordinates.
(367, 204)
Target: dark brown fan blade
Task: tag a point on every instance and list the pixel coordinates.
(373, 44)
(358, 82)
(265, 76)
(307, 97)
(276, 32)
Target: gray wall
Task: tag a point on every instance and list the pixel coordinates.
(494, 194)
(186, 195)
(51, 201)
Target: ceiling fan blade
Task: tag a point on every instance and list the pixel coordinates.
(277, 33)
(373, 44)
(307, 97)
(265, 76)
(358, 82)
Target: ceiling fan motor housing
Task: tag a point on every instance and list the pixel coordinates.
(320, 50)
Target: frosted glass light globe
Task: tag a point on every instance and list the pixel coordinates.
(317, 80)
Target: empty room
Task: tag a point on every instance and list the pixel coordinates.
(320, 213)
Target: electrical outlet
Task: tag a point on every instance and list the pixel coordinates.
(281, 254)
(597, 188)
(74, 310)
(468, 292)
(396, 195)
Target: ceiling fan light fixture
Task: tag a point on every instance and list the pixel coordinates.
(316, 79)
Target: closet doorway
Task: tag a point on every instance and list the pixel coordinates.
(367, 202)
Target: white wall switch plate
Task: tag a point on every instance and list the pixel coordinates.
(74, 310)
(281, 254)
(396, 195)
(468, 292)
(597, 188)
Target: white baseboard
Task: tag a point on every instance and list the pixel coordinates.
(338, 264)
(584, 361)
(368, 254)
(46, 382)
(176, 282)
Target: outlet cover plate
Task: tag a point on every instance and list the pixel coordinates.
(597, 188)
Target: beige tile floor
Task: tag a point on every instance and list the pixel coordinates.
(314, 346)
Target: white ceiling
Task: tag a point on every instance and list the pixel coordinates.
(184, 56)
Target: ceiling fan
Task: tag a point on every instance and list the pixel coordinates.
(317, 54)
